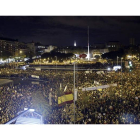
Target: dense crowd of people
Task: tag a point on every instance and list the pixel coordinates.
(114, 105)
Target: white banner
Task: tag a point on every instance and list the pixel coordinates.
(34, 76)
(35, 83)
(87, 72)
(37, 68)
(98, 87)
(100, 72)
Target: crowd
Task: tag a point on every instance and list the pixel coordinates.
(114, 105)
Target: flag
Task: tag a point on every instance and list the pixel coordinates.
(66, 98)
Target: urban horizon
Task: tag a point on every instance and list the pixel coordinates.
(64, 30)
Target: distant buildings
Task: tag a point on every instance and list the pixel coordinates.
(96, 49)
(40, 48)
(21, 49)
(8, 45)
(14, 48)
(113, 45)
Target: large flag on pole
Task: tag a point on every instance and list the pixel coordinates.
(67, 97)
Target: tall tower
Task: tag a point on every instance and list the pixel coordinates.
(75, 43)
(88, 44)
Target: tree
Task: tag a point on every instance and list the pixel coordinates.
(60, 56)
(113, 54)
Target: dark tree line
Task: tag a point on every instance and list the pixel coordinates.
(113, 54)
(57, 55)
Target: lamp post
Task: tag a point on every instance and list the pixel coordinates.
(74, 92)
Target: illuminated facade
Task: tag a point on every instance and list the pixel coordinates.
(14, 47)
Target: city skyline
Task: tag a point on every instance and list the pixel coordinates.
(64, 30)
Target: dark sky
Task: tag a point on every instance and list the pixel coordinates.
(63, 30)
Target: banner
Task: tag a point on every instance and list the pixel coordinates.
(35, 83)
(100, 72)
(34, 76)
(87, 72)
(37, 68)
(98, 87)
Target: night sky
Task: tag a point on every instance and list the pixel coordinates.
(63, 30)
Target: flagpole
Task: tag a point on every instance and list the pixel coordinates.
(74, 92)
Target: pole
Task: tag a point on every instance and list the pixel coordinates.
(117, 60)
(121, 74)
(40, 62)
(88, 43)
(56, 63)
(74, 92)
